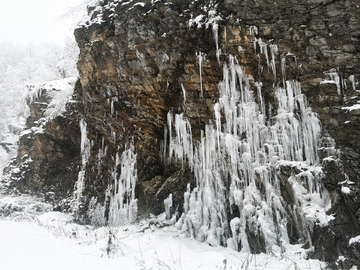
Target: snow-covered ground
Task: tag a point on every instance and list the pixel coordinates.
(33, 238)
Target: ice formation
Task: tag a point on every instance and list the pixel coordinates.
(332, 77)
(264, 50)
(120, 195)
(202, 57)
(212, 19)
(120, 205)
(123, 204)
(239, 162)
(237, 165)
(184, 93)
(85, 154)
(353, 82)
(168, 203)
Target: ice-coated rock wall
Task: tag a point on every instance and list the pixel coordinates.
(237, 163)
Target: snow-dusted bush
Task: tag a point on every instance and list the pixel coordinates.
(22, 208)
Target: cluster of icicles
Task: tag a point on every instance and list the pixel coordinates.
(236, 161)
(236, 164)
(122, 205)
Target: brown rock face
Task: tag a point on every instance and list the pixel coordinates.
(139, 61)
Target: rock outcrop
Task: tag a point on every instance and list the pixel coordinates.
(141, 60)
(48, 156)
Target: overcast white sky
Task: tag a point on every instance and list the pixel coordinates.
(30, 21)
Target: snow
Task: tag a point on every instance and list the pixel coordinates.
(27, 246)
(196, 21)
(140, 4)
(241, 49)
(52, 241)
(8, 147)
(352, 108)
(345, 190)
(355, 239)
(206, 20)
(21, 208)
(60, 93)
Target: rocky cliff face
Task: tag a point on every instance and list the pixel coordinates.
(141, 60)
(48, 154)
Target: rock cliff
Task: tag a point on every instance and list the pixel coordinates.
(141, 60)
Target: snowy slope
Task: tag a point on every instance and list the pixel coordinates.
(50, 240)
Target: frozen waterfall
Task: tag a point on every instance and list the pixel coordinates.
(238, 195)
(120, 205)
(123, 204)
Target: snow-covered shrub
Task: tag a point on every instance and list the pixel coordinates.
(22, 208)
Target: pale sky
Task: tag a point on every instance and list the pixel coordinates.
(31, 21)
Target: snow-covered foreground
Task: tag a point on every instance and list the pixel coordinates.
(32, 238)
(25, 245)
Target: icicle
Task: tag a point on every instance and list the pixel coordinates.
(218, 125)
(262, 105)
(164, 144)
(85, 155)
(168, 203)
(181, 147)
(187, 199)
(35, 92)
(169, 130)
(184, 92)
(113, 100)
(113, 135)
(263, 49)
(212, 20)
(253, 30)
(201, 57)
(283, 67)
(273, 51)
(112, 107)
(216, 38)
(353, 82)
